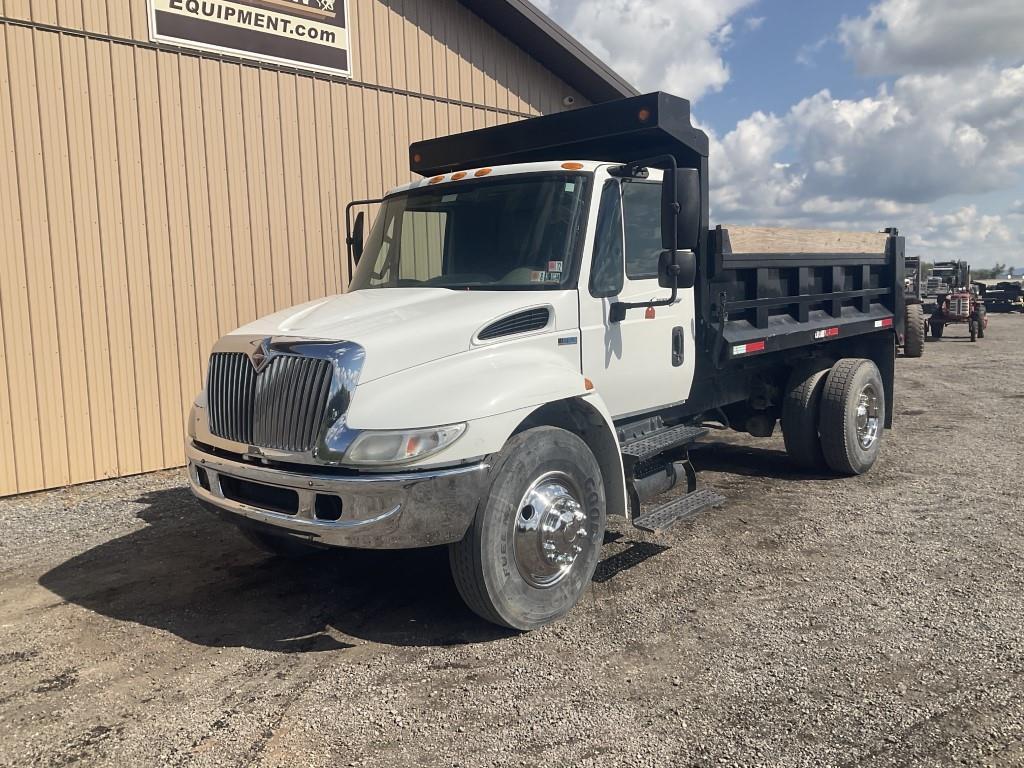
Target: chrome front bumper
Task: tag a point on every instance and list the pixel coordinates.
(368, 511)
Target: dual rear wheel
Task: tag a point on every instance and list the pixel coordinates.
(833, 415)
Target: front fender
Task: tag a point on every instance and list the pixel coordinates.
(467, 387)
(494, 390)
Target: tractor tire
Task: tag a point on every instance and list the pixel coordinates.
(536, 539)
(913, 343)
(981, 327)
(937, 329)
(852, 416)
(973, 326)
(800, 414)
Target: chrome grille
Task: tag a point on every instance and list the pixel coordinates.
(281, 407)
(230, 390)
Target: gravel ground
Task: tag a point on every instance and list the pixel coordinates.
(873, 621)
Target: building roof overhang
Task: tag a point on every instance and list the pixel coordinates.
(552, 46)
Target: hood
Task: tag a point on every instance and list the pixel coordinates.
(402, 328)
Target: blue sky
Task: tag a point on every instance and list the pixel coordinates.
(779, 52)
(854, 114)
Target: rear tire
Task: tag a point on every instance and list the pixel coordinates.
(852, 416)
(973, 325)
(913, 344)
(800, 414)
(536, 539)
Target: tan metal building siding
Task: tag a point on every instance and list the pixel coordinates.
(153, 199)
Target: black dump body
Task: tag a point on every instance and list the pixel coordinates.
(762, 311)
(787, 300)
(756, 311)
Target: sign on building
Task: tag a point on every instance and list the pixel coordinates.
(310, 34)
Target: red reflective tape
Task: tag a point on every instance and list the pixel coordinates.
(744, 349)
(886, 323)
(832, 332)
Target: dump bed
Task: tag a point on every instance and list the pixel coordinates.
(769, 289)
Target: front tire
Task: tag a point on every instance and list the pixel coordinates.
(913, 344)
(852, 416)
(536, 539)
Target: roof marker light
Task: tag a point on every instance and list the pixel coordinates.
(483, 172)
(436, 180)
(644, 115)
(573, 166)
(459, 176)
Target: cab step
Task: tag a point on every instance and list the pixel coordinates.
(655, 443)
(676, 510)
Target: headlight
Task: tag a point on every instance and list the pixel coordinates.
(387, 447)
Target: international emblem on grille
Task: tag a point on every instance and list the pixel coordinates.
(258, 357)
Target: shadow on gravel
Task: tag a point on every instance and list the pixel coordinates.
(749, 461)
(192, 574)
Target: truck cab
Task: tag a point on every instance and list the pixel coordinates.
(535, 333)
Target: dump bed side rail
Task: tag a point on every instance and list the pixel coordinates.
(782, 296)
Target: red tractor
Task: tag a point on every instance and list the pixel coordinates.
(957, 300)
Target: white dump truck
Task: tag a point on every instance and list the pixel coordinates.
(534, 335)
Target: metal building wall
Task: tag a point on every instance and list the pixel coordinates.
(152, 199)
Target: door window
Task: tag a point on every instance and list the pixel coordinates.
(606, 270)
(641, 204)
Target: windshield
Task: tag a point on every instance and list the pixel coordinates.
(511, 233)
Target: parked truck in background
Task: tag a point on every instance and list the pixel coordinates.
(1005, 295)
(534, 335)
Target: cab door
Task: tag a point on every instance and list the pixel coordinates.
(646, 361)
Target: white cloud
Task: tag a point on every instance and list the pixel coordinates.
(901, 36)
(808, 52)
(926, 137)
(669, 45)
(753, 23)
(882, 160)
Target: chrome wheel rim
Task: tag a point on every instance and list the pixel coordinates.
(868, 417)
(550, 530)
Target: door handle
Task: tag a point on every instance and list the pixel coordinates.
(677, 346)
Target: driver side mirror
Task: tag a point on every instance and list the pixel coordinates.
(356, 240)
(680, 209)
(677, 265)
